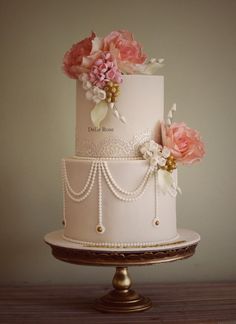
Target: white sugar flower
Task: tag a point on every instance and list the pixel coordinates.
(153, 161)
(157, 156)
(149, 149)
(101, 94)
(157, 160)
(89, 94)
(98, 94)
(165, 152)
(83, 77)
(87, 85)
(155, 153)
(95, 94)
(161, 161)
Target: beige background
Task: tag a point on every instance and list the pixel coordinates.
(197, 39)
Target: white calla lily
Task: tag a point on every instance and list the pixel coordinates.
(166, 182)
(98, 113)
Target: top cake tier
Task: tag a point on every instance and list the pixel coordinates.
(141, 102)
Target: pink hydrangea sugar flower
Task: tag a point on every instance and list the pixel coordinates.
(104, 69)
(185, 143)
(79, 58)
(125, 49)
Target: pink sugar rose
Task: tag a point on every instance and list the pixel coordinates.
(79, 58)
(185, 143)
(125, 49)
(104, 69)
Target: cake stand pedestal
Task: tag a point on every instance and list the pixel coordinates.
(122, 299)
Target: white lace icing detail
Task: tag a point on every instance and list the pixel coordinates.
(112, 146)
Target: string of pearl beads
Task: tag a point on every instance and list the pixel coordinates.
(100, 167)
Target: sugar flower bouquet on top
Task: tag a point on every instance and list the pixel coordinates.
(99, 63)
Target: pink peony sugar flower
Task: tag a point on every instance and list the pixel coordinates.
(79, 58)
(125, 49)
(185, 143)
(104, 69)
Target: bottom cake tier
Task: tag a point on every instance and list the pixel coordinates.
(116, 203)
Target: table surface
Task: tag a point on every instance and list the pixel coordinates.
(172, 303)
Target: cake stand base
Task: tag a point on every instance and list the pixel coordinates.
(122, 299)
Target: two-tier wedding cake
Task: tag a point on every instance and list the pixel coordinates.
(120, 187)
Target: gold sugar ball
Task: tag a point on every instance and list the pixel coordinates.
(112, 91)
(109, 84)
(170, 164)
(99, 229)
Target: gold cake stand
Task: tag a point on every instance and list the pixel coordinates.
(122, 299)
